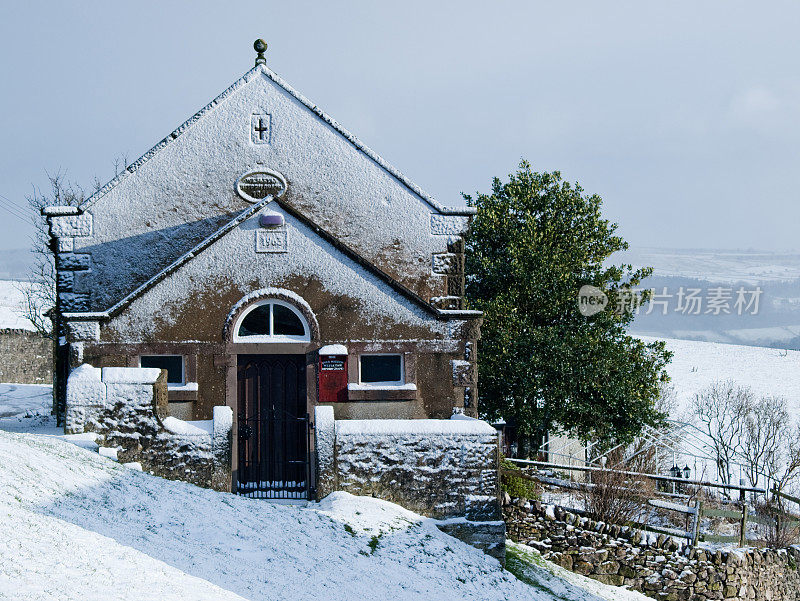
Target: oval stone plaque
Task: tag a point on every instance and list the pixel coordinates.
(256, 185)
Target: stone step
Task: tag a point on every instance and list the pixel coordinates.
(110, 453)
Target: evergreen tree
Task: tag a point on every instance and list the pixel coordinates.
(535, 241)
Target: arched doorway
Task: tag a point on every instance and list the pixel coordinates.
(273, 447)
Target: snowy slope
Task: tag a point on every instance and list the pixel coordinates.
(721, 266)
(12, 301)
(527, 564)
(21, 399)
(77, 526)
(768, 371)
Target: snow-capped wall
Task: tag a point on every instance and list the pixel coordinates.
(445, 469)
(656, 565)
(439, 468)
(126, 407)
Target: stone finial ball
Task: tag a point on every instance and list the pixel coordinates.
(260, 45)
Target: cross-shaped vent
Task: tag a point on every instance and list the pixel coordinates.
(261, 128)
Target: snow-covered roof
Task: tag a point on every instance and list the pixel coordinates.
(228, 227)
(263, 69)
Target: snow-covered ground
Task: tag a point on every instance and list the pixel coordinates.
(767, 371)
(83, 527)
(696, 365)
(75, 525)
(12, 303)
(20, 399)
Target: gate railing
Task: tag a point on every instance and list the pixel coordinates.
(280, 466)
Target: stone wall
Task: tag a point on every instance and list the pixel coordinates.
(659, 567)
(127, 408)
(25, 357)
(443, 469)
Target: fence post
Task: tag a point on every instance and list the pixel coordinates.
(743, 526)
(698, 514)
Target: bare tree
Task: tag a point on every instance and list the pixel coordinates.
(616, 497)
(722, 410)
(767, 429)
(40, 297)
(782, 468)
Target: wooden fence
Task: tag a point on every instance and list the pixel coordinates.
(695, 513)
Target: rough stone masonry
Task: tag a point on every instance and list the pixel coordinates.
(126, 408)
(25, 357)
(661, 568)
(443, 469)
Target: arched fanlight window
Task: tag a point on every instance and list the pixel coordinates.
(271, 321)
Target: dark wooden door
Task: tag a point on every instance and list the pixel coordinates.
(273, 433)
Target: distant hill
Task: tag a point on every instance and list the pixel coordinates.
(716, 266)
(776, 324)
(15, 264)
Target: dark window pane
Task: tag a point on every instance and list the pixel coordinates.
(173, 365)
(381, 368)
(285, 322)
(256, 323)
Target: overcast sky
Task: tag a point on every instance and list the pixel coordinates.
(683, 116)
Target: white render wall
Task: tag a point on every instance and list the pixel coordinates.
(232, 263)
(183, 191)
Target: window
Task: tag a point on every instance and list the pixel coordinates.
(272, 321)
(172, 363)
(386, 370)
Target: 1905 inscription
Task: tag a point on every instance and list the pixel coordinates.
(271, 241)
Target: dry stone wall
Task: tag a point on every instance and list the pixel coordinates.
(443, 469)
(659, 567)
(127, 408)
(25, 357)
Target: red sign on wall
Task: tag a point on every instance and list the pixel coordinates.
(332, 378)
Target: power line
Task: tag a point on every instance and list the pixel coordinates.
(12, 206)
(11, 201)
(12, 213)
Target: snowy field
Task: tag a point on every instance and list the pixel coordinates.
(79, 526)
(768, 371)
(12, 302)
(696, 365)
(21, 399)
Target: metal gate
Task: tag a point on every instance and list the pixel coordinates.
(274, 439)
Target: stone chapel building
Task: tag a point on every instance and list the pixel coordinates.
(270, 262)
